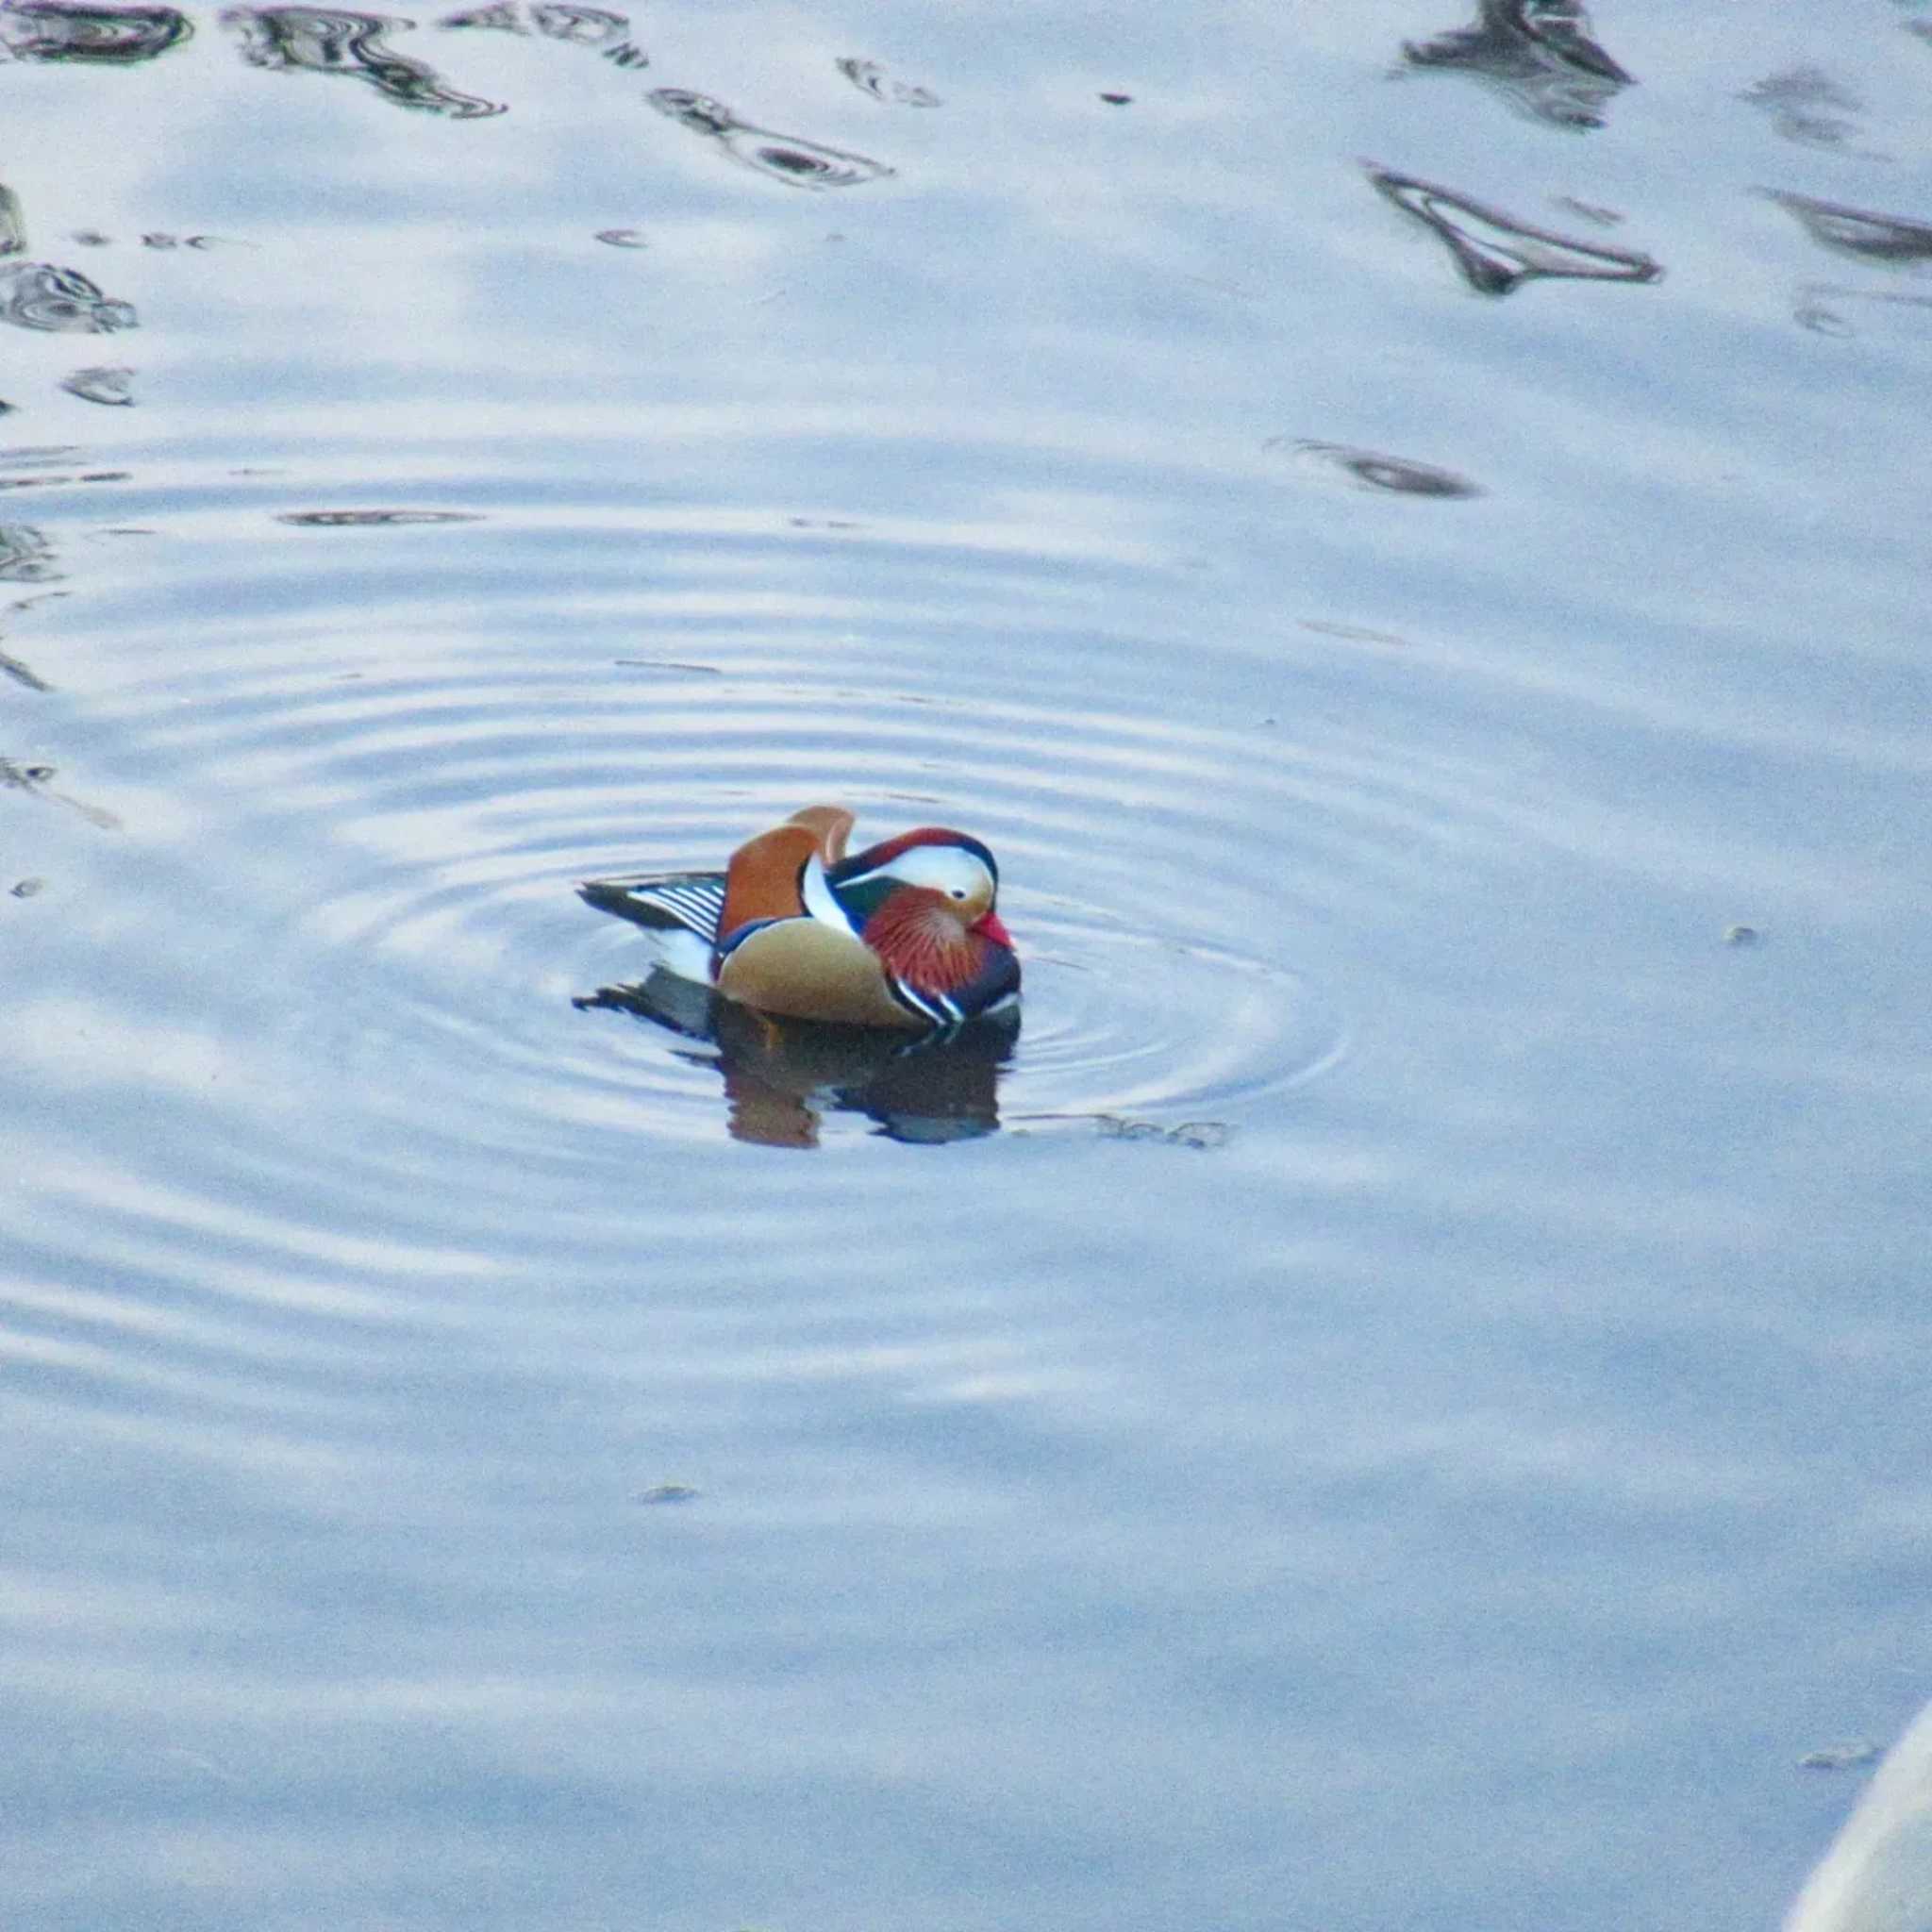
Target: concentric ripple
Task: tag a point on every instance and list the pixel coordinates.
(440, 927)
(398, 819)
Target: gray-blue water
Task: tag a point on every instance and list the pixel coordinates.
(1400, 1403)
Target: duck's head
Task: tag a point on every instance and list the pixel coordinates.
(934, 873)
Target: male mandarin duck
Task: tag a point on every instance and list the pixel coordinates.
(903, 934)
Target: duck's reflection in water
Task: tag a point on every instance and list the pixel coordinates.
(783, 1076)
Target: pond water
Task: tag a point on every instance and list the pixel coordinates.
(1397, 1400)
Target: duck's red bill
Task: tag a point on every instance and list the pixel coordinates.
(989, 923)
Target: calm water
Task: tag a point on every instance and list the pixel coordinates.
(1398, 1402)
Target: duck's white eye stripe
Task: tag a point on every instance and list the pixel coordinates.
(944, 868)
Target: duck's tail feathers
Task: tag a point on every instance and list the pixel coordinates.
(687, 901)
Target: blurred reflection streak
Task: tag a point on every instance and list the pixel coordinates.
(25, 556)
(486, 19)
(56, 482)
(782, 1076)
(112, 387)
(1497, 254)
(784, 157)
(584, 26)
(38, 456)
(160, 238)
(110, 36)
(22, 673)
(870, 78)
(1369, 469)
(1537, 53)
(1198, 1135)
(1349, 634)
(1794, 100)
(1813, 313)
(370, 518)
(1590, 210)
(33, 779)
(1856, 231)
(320, 40)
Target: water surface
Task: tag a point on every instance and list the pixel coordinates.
(1402, 531)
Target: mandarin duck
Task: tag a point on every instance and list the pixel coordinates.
(903, 934)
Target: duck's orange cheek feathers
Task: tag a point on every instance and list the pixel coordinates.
(921, 943)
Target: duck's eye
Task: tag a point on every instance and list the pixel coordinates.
(958, 892)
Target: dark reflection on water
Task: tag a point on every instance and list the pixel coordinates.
(1370, 469)
(113, 387)
(583, 27)
(41, 295)
(786, 157)
(1538, 55)
(1893, 240)
(106, 36)
(869, 77)
(22, 673)
(373, 519)
(160, 238)
(37, 294)
(37, 781)
(320, 40)
(782, 1076)
(1815, 311)
(55, 482)
(1495, 253)
(1805, 105)
(25, 556)
(1590, 210)
(580, 27)
(1197, 1135)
